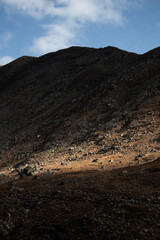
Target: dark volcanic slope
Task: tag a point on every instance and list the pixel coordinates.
(49, 95)
(79, 146)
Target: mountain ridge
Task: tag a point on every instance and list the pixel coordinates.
(76, 78)
(79, 146)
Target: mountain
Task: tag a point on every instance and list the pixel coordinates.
(80, 130)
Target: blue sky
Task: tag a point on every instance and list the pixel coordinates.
(36, 27)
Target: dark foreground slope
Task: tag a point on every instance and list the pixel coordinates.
(79, 146)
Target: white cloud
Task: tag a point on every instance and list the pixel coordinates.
(72, 15)
(6, 59)
(5, 38)
(34, 8)
(68, 17)
(57, 36)
(84, 10)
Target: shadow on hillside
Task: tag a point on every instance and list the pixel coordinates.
(84, 205)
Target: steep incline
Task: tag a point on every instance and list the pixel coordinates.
(77, 87)
(79, 146)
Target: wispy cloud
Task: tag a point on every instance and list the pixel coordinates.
(34, 8)
(6, 59)
(57, 36)
(71, 16)
(5, 38)
(67, 18)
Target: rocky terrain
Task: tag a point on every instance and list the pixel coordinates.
(80, 146)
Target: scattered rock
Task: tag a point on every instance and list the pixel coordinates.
(153, 150)
(26, 211)
(111, 161)
(103, 167)
(27, 171)
(64, 163)
(95, 160)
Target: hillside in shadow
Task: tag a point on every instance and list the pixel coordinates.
(79, 145)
